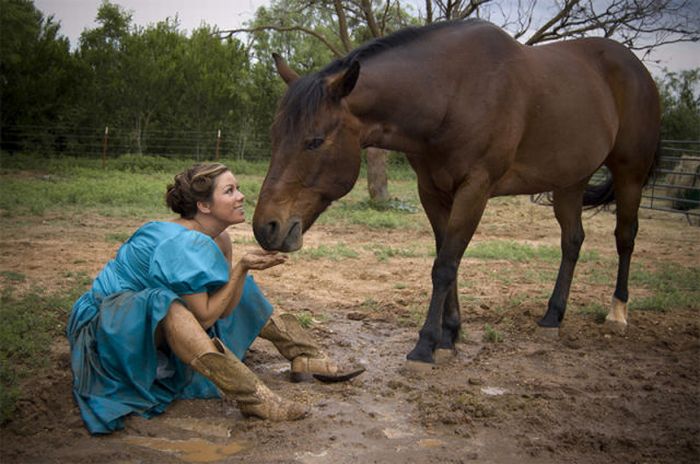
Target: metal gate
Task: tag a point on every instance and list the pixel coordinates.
(674, 186)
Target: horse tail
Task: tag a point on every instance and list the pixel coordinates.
(599, 194)
(603, 193)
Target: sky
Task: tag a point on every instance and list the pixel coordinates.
(78, 15)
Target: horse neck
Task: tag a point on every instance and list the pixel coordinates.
(396, 112)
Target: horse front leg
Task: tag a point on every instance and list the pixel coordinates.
(465, 214)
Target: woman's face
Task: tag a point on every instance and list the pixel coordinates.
(227, 200)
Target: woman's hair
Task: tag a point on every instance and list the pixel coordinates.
(192, 185)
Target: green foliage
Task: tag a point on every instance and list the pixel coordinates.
(673, 287)
(680, 105)
(594, 310)
(492, 335)
(332, 252)
(521, 252)
(29, 325)
(305, 319)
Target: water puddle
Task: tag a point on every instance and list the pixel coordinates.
(201, 426)
(431, 443)
(192, 450)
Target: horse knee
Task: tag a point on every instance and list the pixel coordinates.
(443, 275)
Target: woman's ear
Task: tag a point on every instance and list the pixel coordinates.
(204, 207)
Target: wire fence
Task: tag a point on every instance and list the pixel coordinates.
(109, 142)
(674, 186)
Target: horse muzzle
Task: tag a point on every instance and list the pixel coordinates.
(277, 236)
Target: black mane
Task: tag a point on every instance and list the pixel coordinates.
(304, 97)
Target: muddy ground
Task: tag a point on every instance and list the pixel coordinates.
(588, 396)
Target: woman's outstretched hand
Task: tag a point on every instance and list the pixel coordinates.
(261, 259)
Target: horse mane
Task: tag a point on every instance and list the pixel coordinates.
(304, 97)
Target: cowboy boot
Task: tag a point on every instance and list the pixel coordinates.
(295, 344)
(237, 382)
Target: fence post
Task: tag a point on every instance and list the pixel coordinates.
(105, 141)
(218, 144)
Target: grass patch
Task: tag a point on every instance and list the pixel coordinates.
(383, 252)
(334, 252)
(29, 325)
(414, 317)
(492, 335)
(596, 311)
(13, 277)
(305, 319)
(521, 252)
(673, 287)
(118, 237)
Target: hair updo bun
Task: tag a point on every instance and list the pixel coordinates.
(192, 185)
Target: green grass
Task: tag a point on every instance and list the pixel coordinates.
(384, 252)
(305, 319)
(673, 287)
(119, 237)
(13, 277)
(492, 335)
(332, 252)
(29, 325)
(521, 252)
(594, 310)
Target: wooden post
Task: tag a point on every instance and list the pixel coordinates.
(218, 144)
(105, 141)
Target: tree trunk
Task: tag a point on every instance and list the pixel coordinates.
(376, 175)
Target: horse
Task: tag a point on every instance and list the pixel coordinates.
(478, 115)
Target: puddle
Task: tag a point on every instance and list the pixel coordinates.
(193, 450)
(431, 443)
(204, 427)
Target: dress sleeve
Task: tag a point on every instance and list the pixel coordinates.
(189, 263)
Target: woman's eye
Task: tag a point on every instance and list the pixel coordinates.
(313, 143)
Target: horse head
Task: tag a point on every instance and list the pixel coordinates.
(315, 155)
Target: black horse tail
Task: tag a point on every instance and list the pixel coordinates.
(600, 193)
(603, 193)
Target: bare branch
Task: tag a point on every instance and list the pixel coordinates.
(331, 47)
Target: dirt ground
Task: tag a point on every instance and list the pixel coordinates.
(587, 396)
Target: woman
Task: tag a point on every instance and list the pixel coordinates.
(170, 316)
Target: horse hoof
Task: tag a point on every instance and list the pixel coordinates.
(547, 333)
(616, 327)
(418, 367)
(444, 355)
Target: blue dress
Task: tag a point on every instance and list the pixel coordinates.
(117, 369)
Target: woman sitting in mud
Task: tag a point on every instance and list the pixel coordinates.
(171, 316)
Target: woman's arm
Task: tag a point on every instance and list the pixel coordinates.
(208, 308)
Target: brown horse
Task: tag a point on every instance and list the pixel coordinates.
(478, 115)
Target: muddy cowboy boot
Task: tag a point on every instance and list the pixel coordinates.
(237, 382)
(295, 344)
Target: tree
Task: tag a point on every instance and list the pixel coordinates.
(680, 105)
(38, 75)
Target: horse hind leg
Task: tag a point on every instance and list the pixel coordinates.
(628, 194)
(568, 204)
(451, 326)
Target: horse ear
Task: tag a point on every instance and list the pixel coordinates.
(340, 86)
(283, 69)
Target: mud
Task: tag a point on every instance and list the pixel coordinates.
(584, 395)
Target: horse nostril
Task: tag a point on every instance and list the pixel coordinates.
(272, 228)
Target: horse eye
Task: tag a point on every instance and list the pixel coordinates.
(313, 143)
